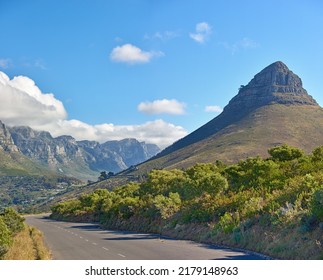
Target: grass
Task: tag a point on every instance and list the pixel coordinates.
(28, 245)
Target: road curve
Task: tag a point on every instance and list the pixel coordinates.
(86, 241)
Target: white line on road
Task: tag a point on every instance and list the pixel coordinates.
(121, 255)
(94, 243)
(105, 248)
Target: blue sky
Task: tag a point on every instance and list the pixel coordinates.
(148, 69)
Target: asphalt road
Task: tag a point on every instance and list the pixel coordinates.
(86, 241)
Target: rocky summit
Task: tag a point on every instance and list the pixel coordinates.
(274, 84)
(272, 109)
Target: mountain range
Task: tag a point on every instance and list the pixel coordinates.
(272, 109)
(28, 150)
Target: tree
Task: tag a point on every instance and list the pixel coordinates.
(103, 176)
(204, 178)
(317, 154)
(317, 204)
(167, 206)
(285, 153)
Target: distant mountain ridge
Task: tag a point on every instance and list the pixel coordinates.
(65, 155)
(272, 109)
(12, 161)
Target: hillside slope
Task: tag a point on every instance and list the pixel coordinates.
(272, 109)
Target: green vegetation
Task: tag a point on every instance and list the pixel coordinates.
(273, 206)
(11, 223)
(19, 241)
(26, 193)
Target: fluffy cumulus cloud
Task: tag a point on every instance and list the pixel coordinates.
(23, 103)
(213, 109)
(164, 106)
(202, 32)
(131, 54)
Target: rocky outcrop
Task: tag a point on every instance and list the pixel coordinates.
(117, 155)
(274, 84)
(6, 141)
(42, 147)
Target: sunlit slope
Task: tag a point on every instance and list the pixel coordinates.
(15, 164)
(268, 126)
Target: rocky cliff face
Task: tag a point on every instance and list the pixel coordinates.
(274, 84)
(42, 147)
(6, 141)
(81, 159)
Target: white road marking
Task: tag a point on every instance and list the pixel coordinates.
(94, 243)
(105, 248)
(121, 255)
(86, 240)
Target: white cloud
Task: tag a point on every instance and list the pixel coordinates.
(132, 55)
(23, 103)
(164, 106)
(213, 109)
(202, 32)
(5, 63)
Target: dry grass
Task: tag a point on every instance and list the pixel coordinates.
(28, 245)
(266, 127)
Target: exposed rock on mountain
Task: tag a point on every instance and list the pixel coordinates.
(12, 161)
(83, 159)
(6, 142)
(274, 84)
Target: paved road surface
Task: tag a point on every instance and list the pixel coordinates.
(86, 241)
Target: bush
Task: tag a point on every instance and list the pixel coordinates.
(228, 222)
(285, 153)
(317, 205)
(13, 221)
(5, 237)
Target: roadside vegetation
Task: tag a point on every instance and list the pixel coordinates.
(273, 206)
(19, 241)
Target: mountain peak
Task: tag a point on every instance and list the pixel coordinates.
(274, 84)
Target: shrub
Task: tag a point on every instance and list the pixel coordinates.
(13, 221)
(317, 205)
(167, 206)
(5, 237)
(228, 222)
(285, 153)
